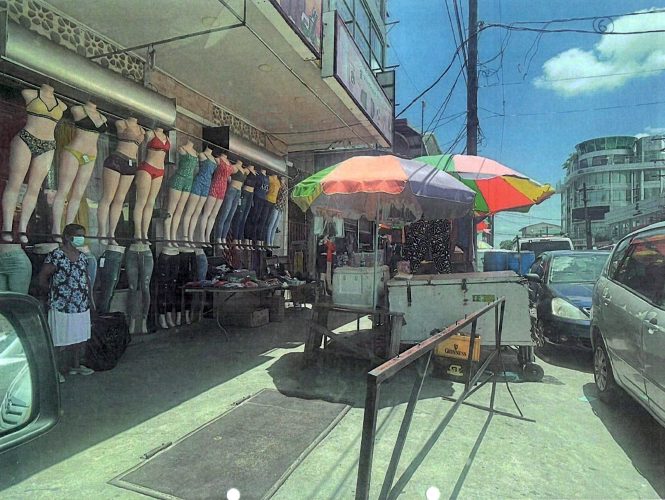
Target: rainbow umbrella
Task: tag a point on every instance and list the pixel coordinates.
(384, 188)
(497, 187)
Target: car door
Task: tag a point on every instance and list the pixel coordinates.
(650, 250)
(538, 267)
(622, 315)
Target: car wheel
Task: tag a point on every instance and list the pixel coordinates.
(602, 374)
(533, 372)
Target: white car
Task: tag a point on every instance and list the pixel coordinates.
(628, 321)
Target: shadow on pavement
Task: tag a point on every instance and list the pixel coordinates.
(638, 434)
(566, 357)
(156, 374)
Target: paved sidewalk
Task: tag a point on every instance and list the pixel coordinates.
(170, 383)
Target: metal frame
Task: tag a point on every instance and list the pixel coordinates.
(390, 368)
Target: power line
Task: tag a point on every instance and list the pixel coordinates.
(589, 18)
(568, 111)
(604, 75)
(568, 30)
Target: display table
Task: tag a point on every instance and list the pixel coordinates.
(226, 294)
(386, 323)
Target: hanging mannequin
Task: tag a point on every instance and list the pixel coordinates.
(277, 211)
(117, 177)
(187, 272)
(149, 176)
(168, 268)
(109, 266)
(237, 175)
(261, 209)
(139, 264)
(180, 185)
(77, 161)
(246, 201)
(198, 194)
(31, 154)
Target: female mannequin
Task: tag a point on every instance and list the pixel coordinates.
(197, 197)
(117, 177)
(180, 185)
(246, 202)
(31, 153)
(261, 210)
(149, 176)
(77, 160)
(230, 203)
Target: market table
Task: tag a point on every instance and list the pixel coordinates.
(390, 322)
(227, 294)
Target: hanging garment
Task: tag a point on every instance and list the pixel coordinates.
(425, 238)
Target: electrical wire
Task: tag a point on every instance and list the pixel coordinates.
(462, 61)
(568, 30)
(568, 111)
(590, 18)
(604, 75)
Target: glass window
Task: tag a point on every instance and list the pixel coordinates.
(344, 11)
(363, 45)
(643, 267)
(599, 160)
(362, 18)
(652, 175)
(584, 163)
(620, 177)
(577, 268)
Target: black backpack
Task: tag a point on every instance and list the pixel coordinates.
(108, 341)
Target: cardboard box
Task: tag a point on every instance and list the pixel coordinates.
(247, 319)
(457, 347)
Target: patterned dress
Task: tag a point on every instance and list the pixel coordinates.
(429, 238)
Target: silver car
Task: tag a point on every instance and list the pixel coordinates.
(628, 321)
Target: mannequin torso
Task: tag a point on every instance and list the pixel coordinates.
(130, 137)
(158, 146)
(250, 181)
(44, 111)
(89, 123)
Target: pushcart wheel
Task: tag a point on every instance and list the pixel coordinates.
(533, 372)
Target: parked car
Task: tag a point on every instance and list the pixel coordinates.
(560, 288)
(628, 326)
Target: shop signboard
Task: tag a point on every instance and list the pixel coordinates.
(349, 68)
(304, 16)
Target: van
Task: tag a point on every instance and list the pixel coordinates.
(628, 321)
(539, 245)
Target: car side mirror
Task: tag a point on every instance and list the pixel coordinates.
(533, 278)
(29, 388)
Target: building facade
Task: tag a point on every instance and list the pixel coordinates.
(625, 183)
(540, 229)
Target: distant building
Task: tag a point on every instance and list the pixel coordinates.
(540, 229)
(625, 181)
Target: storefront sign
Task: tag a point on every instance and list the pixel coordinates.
(304, 16)
(352, 72)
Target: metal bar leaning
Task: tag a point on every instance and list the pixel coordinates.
(393, 366)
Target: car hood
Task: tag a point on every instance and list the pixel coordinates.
(577, 293)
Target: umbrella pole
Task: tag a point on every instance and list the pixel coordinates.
(376, 253)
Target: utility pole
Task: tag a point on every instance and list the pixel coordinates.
(587, 221)
(472, 81)
(422, 128)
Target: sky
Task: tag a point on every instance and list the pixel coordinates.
(539, 94)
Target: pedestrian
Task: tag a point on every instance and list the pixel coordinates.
(65, 276)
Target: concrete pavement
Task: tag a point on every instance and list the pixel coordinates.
(170, 383)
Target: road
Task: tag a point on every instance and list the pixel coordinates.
(170, 384)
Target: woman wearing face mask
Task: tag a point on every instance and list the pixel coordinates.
(65, 276)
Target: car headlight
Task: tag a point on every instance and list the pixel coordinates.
(564, 309)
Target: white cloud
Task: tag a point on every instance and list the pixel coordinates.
(622, 57)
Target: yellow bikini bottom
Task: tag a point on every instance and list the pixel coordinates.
(82, 158)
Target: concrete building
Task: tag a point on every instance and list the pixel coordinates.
(625, 182)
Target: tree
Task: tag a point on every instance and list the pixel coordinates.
(506, 245)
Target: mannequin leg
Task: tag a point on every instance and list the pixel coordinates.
(271, 225)
(143, 185)
(39, 167)
(19, 163)
(177, 217)
(150, 206)
(188, 215)
(118, 202)
(67, 173)
(227, 213)
(198, 219)
(110, 181)
(78, 190)
(174, 197)
(207, 224)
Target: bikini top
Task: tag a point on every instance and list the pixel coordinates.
(157, 145)
(37, 107)
(88, 125)
(128, 136)
(239, 176)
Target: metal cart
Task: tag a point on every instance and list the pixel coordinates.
(433, 302)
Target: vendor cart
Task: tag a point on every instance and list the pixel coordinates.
(433, 302)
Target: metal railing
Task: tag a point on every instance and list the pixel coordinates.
(390, 368)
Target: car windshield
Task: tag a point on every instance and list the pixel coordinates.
(577, 268)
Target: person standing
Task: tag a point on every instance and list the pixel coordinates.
(65, 276)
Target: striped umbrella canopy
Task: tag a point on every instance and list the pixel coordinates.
(497, 187)
(384, 188)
